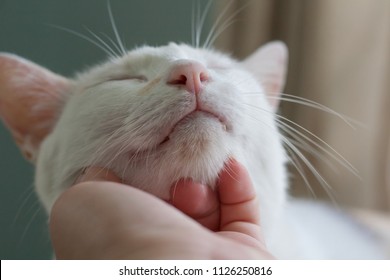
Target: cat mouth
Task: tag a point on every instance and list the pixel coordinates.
(225, 125)
(168, 132)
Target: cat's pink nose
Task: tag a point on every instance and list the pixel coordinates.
(188, 74)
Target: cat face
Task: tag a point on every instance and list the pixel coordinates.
(153, 116)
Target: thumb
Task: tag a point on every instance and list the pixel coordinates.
(240, 211)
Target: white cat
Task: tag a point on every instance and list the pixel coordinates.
(155, 115)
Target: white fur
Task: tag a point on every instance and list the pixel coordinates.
(107, 121)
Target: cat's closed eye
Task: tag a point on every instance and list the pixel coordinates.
(137, 78)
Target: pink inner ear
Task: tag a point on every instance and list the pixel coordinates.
(269, 65)
(30, 98)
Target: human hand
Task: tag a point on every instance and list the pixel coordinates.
(100, 218)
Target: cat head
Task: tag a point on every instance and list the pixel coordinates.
(153, 115)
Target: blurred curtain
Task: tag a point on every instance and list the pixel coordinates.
(339, 57)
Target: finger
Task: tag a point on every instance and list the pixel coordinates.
(98, 174)
(118, 222)
(198, 201)
(99, 219)
(239, 204)
(86, 235)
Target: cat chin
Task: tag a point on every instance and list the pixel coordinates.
(209, 153)
(197, 134)
(202, 169)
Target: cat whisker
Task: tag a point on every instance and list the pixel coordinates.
(332, 153)
(299, 143)
(346, 119)
(123, 139)
(103, 148)
(325, 185)
(111, 137)
(200, 22)
(193, 25)
(125, 169)
(115, 29)
(88, 39)
(101, 41)
(216, 23)
(139, 151)
(112, 42)
(319, 177)
(291, 154)
(312, 104)
(297, 165)
(28, 225)
(28, 193)
(232, 173)
(119, 138)
(329, 150)
(220, 30)
(217, 29)
(123, 146)
(218, 33)
(313, 170)
(130, 163)
(351, 121)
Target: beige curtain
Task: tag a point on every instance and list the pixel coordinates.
(339, 57)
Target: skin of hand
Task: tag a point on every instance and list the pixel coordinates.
(101, 218)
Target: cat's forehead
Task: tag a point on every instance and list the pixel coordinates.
(172, 52)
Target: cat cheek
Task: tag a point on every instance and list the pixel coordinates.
(147, 89)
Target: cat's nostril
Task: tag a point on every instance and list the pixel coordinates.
(181, 80)
(189, 74)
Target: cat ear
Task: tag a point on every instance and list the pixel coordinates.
(269, 65)
(31, 98)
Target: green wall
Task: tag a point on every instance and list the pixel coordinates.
(25, 30)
